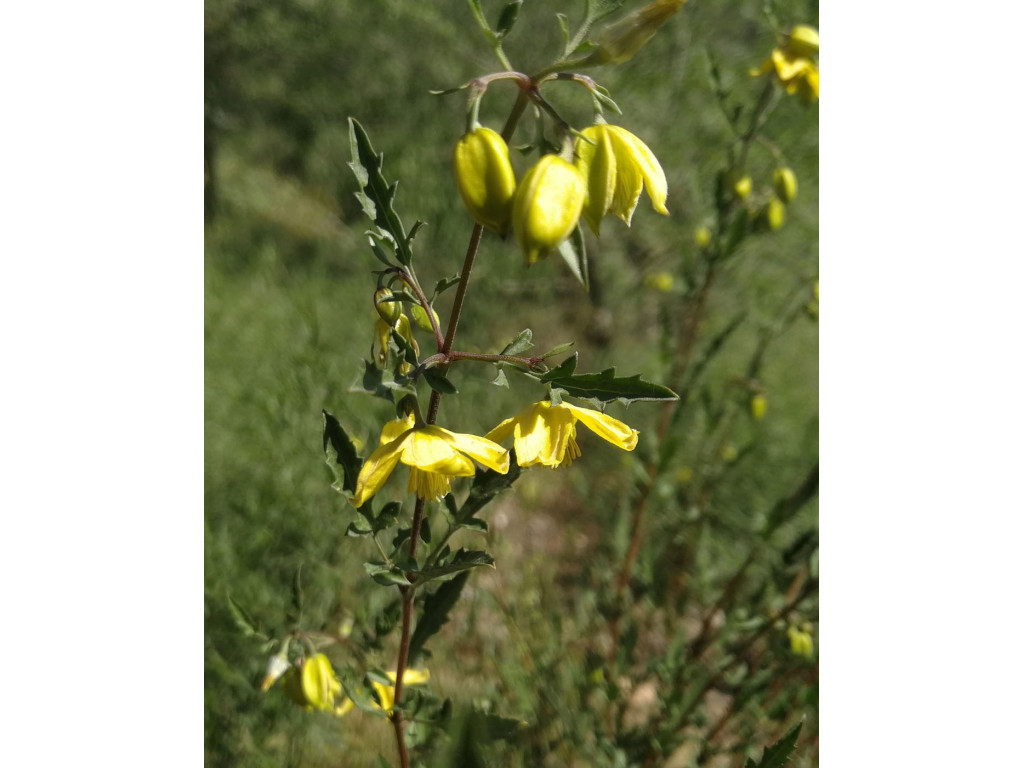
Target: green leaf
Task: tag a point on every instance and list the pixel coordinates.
(340, 453)
(778, 753)
(358, 692)
(563, 23)
(481, 20)
(604, 98)
(381, 383)
(522, 342)
(438, 382)
(574, 252)
(554, 351)
(376, 195)
(435, 614)
(606, 386)
(444, 284)
(486, 485)
(500, 380)
(386, 575)
(379, 252)
(387, 516)
(508, 17)
(462, 560)
(245, 622)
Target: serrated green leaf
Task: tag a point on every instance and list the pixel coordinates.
(573, 251)
(376, 195)
(462, 560)
(606, 386)
(435, 614)
(438, 382)
(522, 342)
(563, 370)
(778, 753)
(245, 622)
(341, 452)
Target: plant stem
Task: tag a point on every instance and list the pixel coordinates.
(408, 593)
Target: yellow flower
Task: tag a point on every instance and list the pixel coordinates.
(547, 206)
(800, 642)
(793, 64)
(382, 331)
(616, 165)
(389, 311)
(775, 213)
(433, 454)
(315, 686)
(784, 181)
(484, 176)
(546, 434)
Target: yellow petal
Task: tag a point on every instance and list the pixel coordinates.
(488, 453)
(344, 708)
(386, 694)
(597, 165)
(378, 468)
(394, 429)
(410, 676)
(790, 67)
(603, 425)
(429, 450)
(501, 432)
(629, 182)
(648, 165)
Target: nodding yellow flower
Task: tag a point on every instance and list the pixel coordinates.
(546, 434)
(315, 686)
(547, 206)
(800, 642)
(484, 176)
(389, 311)
(775, 213)
(616, 165)
(433, 454)
(793, 64)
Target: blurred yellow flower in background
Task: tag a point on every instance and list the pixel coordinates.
(794, 65)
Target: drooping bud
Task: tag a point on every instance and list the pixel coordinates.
(758, 405)
(702, 237)
(803, 41)
(659, 281)
(389, 311)
(784, 181)
(313, 685)
(547, 206)
(740, 184)
(484, 176)
(422, 321)
(775, 213)
(620, 41)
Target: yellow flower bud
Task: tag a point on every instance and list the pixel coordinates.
(314, 685)
(422, 321)
(484, 176)
(388, 310)
(728, 453)
(784, 181)
(803, 41)
(775, 213)
(702, 237)
(741, 185)
(659, 281)
(758, 405)
(547, 206)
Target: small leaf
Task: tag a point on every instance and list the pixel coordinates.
(438, 382)
(444, 284)
(522, 342)
(605, 99)
(462, 560)
(564, 369)
(574, 252)
(558, 350)
(379, 252)
(245, 622)
(508, 17)
(341, 452)
(387, 516)
(500, 380)
(481, 20)
(386, 575)
(358, 692)
(563, 23)
(778, 753)
(435, 613)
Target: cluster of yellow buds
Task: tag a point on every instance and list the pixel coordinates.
(610, 168)
(794, 63)
(390, 316)
(772, 214)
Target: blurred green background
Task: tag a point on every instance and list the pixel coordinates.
(289, 318)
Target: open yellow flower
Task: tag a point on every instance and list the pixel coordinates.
(386, 693)
(793, 64)
(616, 166)
(433, 454)
(546, 434)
